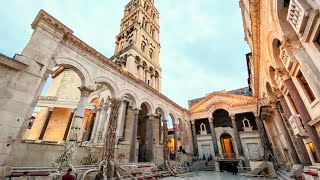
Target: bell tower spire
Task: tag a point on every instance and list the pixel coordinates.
(137, 45)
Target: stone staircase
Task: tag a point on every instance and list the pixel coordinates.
(142, 171)
(201, 166)
(284, 175)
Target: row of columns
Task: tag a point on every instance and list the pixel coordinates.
(214, 137)
(296, 146)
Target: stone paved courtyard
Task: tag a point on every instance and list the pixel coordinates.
(206, 175)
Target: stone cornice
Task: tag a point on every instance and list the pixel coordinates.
(14, 64)
(223, 104)
(255, 26)
(71, 40)
(207, 98)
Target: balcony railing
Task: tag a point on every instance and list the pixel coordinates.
(298, 15)
(285, 58)
(297, 126)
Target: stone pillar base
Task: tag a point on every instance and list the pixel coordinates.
(297, 170)
(5, 171)
(217, 166)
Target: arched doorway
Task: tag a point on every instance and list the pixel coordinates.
(227, 145)
(143, 154)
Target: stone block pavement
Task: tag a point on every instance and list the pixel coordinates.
(209, 175)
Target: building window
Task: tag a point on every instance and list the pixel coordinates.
(313, 151)
(306, 86)
(293, 104)
(151, 53)
(317, 40)
(286, 3)
(143, 46)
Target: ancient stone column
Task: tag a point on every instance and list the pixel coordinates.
(96, 124)
(213, 136)
(121, 120)
(297, 142)
(76, 130)
(264, 138)
(133, 146)
(282, 127)
(105, 124)
(194, 137)
(90, 127)
(236, 134)
(304, 115)
(66, 132)
(165, 140)
(150, 121)
(100, 121)
(175, 136)
(46, 122)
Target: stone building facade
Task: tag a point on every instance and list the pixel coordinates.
(283, 36)
(224, 126)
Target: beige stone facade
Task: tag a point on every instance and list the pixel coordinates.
(284, 75)
(279, 122)
(78, 98)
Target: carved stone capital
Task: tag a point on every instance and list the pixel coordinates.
(136, 111)
(210, 119)
(273, 104)
(277, 92)
(85, 91)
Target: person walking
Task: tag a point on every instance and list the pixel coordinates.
(234, 169)
(68, 175)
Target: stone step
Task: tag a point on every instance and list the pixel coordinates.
(284, 175)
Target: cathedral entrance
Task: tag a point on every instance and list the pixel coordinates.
(143, 151)
(226, 146)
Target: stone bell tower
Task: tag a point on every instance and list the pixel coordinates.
(137, 45)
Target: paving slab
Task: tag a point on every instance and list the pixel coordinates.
(207, 175)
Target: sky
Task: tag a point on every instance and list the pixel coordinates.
(202, 42)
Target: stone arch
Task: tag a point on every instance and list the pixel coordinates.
(108, 83)
(76, 66)
(172, 116)
(222, 106)
(128, 93)
(160, 109)
(148, 104)
(275, 44)
(91, 98)
(280, 13)
(271, 95)
(271, 73)
(221, 118)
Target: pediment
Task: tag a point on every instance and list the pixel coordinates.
(224, 100)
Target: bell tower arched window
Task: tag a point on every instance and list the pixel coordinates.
(143, 46)
(151, 53)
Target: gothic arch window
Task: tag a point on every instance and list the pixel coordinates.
(145, 25)
(151, 53)
(143, 21)
(143, 46)
(153, 33)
